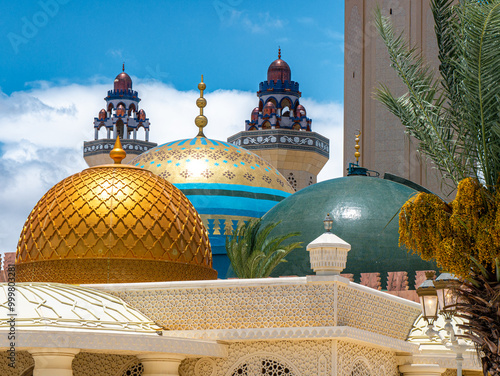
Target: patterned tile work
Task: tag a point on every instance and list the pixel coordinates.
(300, 357)
(24, 361)
(201, 160)
(84, 364)
(113, 212)
(355, 360)
(236, 307)
(272, 306)
(376, 314)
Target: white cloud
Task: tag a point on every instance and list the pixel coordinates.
(42, 132)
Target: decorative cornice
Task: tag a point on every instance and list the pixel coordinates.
(282, 138)
(345, 333)
(116, 343)
(135, 147)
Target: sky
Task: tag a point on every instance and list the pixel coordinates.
(60, 57)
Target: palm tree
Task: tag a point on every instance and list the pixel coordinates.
(479, 304)
(454, 116)
(455, 119)
(253, 253)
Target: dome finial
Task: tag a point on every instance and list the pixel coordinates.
(279, 52)
(123, 67)
(357, 154)
(201, 120)
(118, 154)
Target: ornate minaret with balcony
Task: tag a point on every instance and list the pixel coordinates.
(280, 132)
(122, 117)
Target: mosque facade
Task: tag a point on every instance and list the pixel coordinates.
(115, 275)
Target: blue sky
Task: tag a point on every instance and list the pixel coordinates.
(230, 41)
(59, 58)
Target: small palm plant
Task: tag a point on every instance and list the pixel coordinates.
(253, 253)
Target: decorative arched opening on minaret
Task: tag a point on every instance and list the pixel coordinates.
(286, 107)
(102, 132)
(266, 125)
(110, 107)
(131, 108)
(261, 105)
(140, 133)
(120, 128)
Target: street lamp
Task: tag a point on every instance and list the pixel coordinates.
(439, 294)
(429, 300)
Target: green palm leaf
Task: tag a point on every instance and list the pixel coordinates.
(254, 253)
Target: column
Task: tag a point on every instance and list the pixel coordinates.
(147, 135)
(160, 364)
(53, 362)
(108, 130)
(135, 133)
(421, 370)
(96, 133)
(114, 132)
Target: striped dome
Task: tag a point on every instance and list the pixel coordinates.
(226, 184)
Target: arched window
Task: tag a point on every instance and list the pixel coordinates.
(110, 107)
(262, 366)
(296, 126)
(291, 179)
(360, 368)
(135, 369)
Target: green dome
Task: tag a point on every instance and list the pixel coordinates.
(362, 208)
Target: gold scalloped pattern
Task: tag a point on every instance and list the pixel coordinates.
(110, 213)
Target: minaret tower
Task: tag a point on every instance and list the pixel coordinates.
(280, 132)
(122, 117)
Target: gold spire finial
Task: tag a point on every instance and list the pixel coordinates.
(123, 67)
(201, 120)
(117, 154)
(357, 154)
(279, 52)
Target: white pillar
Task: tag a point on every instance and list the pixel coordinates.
(421, 370)
(147, 135)
(135, 133)
(96, 135)
(53, 362)
(160, 364)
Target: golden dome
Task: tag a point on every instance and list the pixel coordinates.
(111, 224)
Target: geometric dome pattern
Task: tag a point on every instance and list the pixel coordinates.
(228, 185)
(113, 214)
(42, 305)
(202, 160)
